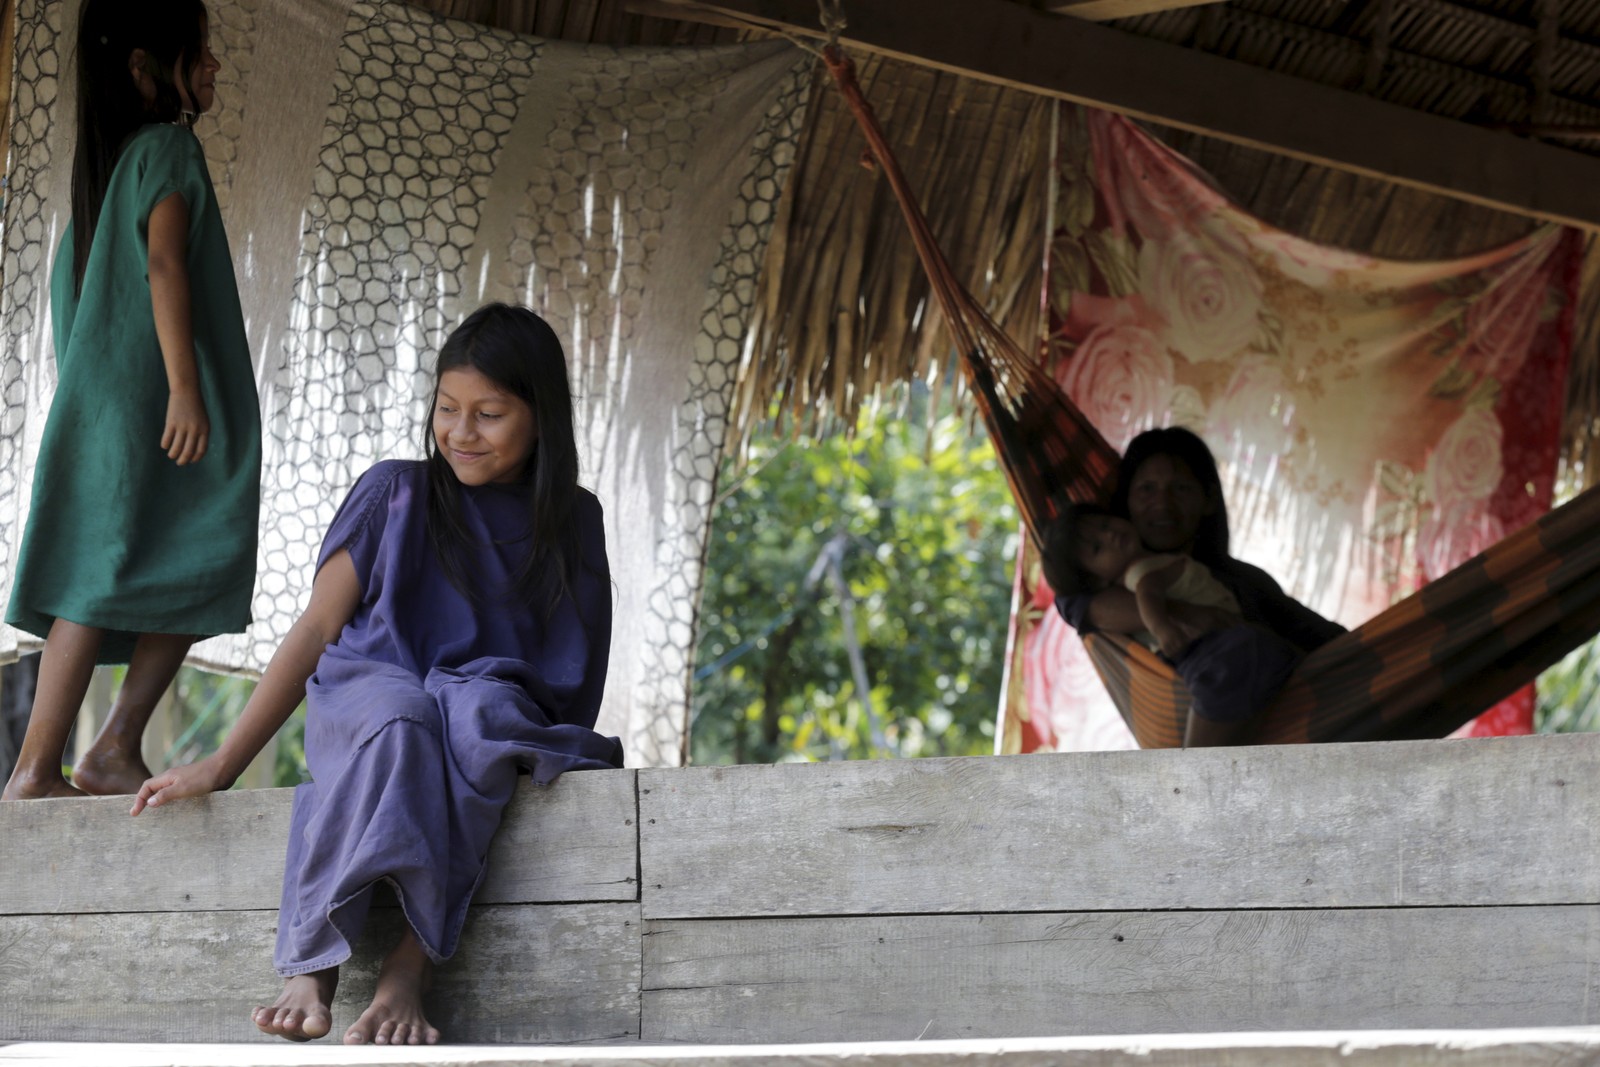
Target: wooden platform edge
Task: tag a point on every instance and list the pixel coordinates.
(1533, 1047)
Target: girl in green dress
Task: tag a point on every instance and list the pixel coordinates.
(141, 535)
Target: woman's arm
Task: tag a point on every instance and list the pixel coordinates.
(335, 594)
(1266, 604)
(187, 429)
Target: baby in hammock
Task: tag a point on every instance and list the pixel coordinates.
(1232, 673)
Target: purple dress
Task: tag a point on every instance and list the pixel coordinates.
(421, 715)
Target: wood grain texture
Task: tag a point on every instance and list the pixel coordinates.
(971, 976)
(574, 840)
(1530, 1047)
(524, 974)
(1106, 10)
(1502, 821)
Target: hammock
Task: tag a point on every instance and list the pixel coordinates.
(1419, 669)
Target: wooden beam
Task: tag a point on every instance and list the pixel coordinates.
(230, 848)
(1164, 830)
(525, 974)
(1106, 10)
(1010, 44)
(886, 978)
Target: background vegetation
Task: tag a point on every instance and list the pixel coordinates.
(857, 595)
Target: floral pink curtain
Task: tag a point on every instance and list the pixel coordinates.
(1377, 422)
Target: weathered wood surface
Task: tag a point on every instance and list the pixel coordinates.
(524, 974)
(1541, 1047)
(1503, 821)
(572, 841)
(969, 976)
(1106, 10)
(1010, 44)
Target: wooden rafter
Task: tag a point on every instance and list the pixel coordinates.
(1106, 10)
(1010, 44)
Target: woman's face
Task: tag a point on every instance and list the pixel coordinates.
(1166, 503)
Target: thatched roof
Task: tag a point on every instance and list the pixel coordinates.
(843, 305)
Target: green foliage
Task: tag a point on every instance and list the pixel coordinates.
(1569, 693)
(205, 707)
(913, 518)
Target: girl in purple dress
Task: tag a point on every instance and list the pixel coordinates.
(458, 630)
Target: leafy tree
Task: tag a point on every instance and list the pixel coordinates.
(1569, 693)
(857, 594)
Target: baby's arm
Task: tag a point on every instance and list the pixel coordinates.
(187, 429)
(335, 594)
(1151, 595)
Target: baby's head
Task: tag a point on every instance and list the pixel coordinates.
(1087, 548)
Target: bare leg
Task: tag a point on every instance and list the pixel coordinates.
(304, 1010)
(64, 671)
(113, 763)
(395, 1015)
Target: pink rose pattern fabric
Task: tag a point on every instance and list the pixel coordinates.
(1378, 422)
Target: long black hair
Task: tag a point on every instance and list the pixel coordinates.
(1185, 446)
(519, 352)
(110, 107)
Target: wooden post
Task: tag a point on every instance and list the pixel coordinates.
(162, 731)
(92, 713)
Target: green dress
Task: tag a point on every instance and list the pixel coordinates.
(119, 536)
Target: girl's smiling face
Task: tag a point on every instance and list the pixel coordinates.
(484, 433)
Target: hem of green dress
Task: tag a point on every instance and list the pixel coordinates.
(116, 647)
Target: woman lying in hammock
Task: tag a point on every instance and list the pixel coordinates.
(1168, 486)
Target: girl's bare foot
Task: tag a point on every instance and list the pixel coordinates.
(113, 765)
(37, 787)
(303, 1011)
(395, 1015)
(105, 773)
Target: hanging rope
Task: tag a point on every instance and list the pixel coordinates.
(1050, 452)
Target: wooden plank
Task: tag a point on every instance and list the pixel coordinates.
(1503, 821)
(973, 976)
(524, 974)
(1525, 1047)
(1106, 10)
(574, 841)
(1012, 44)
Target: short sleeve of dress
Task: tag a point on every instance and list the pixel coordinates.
(358, 525)
(168, 159)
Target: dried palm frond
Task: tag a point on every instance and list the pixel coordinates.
(1051, 454)
(843, 308)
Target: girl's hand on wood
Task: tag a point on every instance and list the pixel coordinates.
(175, 783)
(188, 429)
